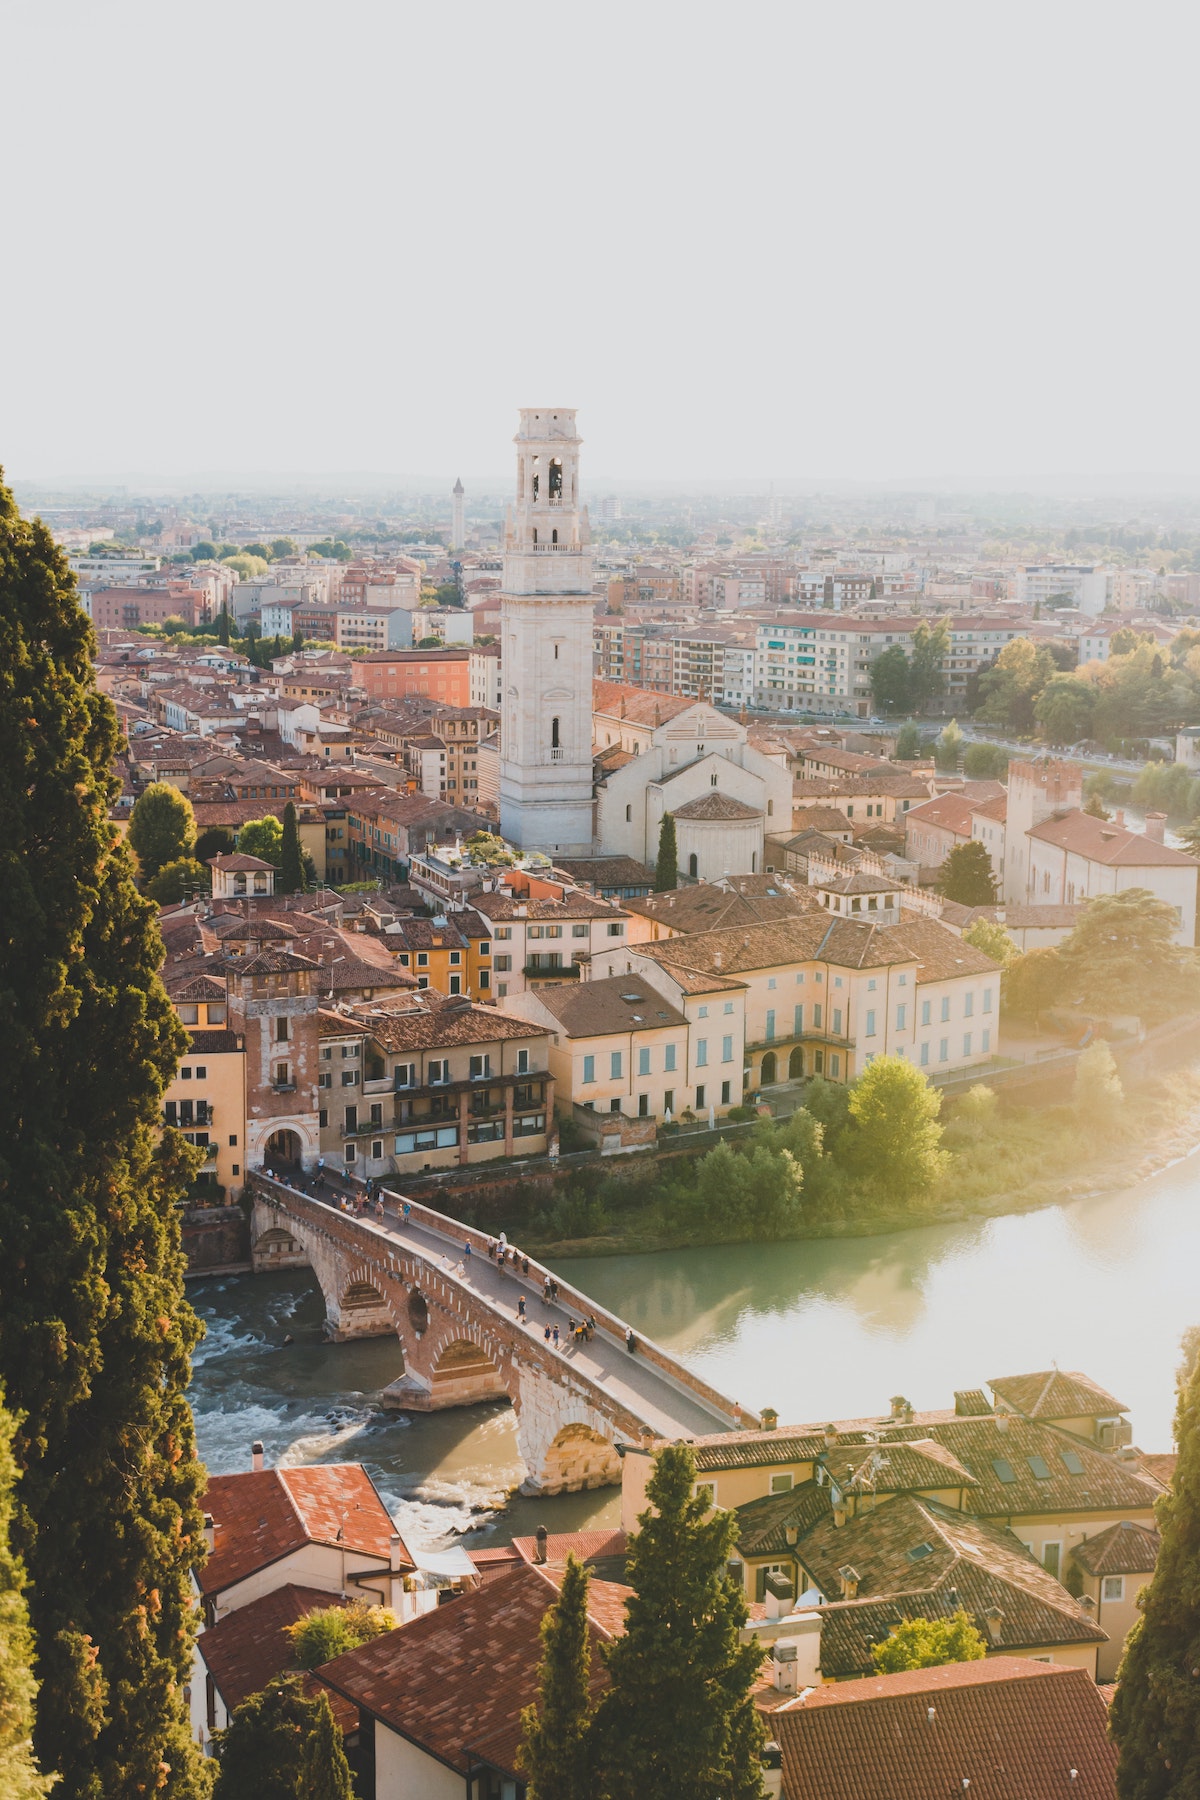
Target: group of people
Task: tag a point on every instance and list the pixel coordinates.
(502, 1252)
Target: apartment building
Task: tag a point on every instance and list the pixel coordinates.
(206, 1099)
(616, 1046)
(442, 675)
(538, 942)
(1081, 584)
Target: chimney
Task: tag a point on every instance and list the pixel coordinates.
(394, 1553)
(849, 1579)
(779, 1596)
(1156, 824)
(539, 1555)
(770, 1418)
(256, 1456)
(1119, 818)
(900, 1406)
(771, 1760)
(210, 1533)
(993, 1619)
(797, 1657)
(831, 1435)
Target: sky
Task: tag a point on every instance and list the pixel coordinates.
(780, 241)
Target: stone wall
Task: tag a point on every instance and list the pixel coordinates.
(216, 1240)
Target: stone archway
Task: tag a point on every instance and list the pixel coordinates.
(578, 1458)
(796, 1065)
(769, 1073)
(464, 1373)
(283, 1150)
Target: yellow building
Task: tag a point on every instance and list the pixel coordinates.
(207, 1099)
(616, 1046)
(1110, 1570)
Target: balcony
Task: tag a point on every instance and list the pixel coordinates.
(552, 971)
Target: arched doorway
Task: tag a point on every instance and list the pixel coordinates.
(796, 1064)
(693, 865)
(283, 1150)
(768, 1074)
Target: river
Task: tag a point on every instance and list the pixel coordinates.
(819, 1330)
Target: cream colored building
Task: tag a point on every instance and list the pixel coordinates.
(616, 1046)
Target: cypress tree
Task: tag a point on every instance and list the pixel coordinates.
(554, 1748)
(162, 828)
(1155, 1715)
(291, 866)
(282, 1744)
(95, 1333)
(679, 1717)
(666, 872)
(19, 1778)
(223, 625)
(325, 1772)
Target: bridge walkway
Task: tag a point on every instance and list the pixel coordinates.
(669, 1408)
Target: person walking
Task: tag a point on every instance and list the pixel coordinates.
(546, 1291)
(524, 1265)
(379, 1209)
(630, 1341)
(546, 1334)
(407, 1210)
(521, 1309)
(467, 1248)
(555, 1337)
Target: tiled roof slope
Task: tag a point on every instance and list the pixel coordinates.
(1124, 1549)
(267, 1514)
(1011, 1728)
(716, 805)
(455, 1680)
(1055, 1394)
(709, 907)
(1103, 842)
(250, 1646)
(1010, 1484)
(617, 699)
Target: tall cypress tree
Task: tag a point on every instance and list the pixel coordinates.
(95, 1333)
(1155, 1714)
(326, 1773)
(554, 1748)
(666, 872)
(291, 866)
(679, 1717)
(19, 1777)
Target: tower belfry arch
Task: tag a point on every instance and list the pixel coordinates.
(546, 644)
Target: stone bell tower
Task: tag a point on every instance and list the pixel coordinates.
(546, 645)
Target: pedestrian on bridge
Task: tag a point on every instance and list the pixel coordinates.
(555, 1335)
(546, 1291)
(630, 1341)
(467, 1249)
(546, 1334)
(407, 1210)
(379, 1209)
(521, 1309)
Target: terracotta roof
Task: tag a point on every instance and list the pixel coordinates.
(819, 937)
(1008, 1460)
(1055, 1394)
(212, 1043)
(454, 1681)
(715, 805)
(1010, 1727)
(250, 1646)
(1160, 1464)
(820, 818)
(708, 906)
(195, 987)
(949, 811)
(618, 1003)
(763, 1524)
(857, 883)
(571, 906)
(264, 1515)
(348, 973)
(445, 1025)
(901, 786)
(939, 952)
(919, 1463)
(641, 707)
(239, 864)
(1102, 841)
(996, 808)
(232, 927)
(1124, 1549)
(271, 962)
(606, 871)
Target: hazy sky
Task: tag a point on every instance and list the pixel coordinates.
(774, 240)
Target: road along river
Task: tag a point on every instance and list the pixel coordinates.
(822, 1329)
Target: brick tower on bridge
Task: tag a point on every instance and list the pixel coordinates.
(273, 1005)
(546, 638)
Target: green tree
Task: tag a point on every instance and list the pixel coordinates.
(174, 625)
(1010, 687)
(19, 1777)
(204, 551)
(927, 1643)
(291, 864)
(276, 1742)
(666, 870)
(162, 827)
(223, 625)
(283, 546)
(1065, 708)
(250, 568)
(894, 1139)
(262, 838)
(178, 880)
(554, 1749)
(1098, 1090)
(678, 1717)
(330, 1631)
(993, 940)
(325, 1772)
(1033, 982)
(297, 642)
(966, 875)
(985, 762)
(1155, 1714)
(1122, 958)
(216, 841)
(262, 551)
(948, 747)
(930, 647)
(95, 1331)
(891, 686)
(908, 742)
(1095, 808)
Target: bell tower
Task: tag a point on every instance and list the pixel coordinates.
(546, 645)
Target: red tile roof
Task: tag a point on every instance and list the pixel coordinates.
(1055, 1394)
(1102, 841)
(250, 1646)
(265, 1515)
(1006, 1728)
(455, 1680)
(951, 812)
(1124, 1549)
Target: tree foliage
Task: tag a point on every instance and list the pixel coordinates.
(895, 1137)
(262, 838)
(908, 742)
(178, 880)
(1122, 958)
(291, 863)
(281, 1744)
(678, 1717)
(1033, 982)
(993, 940)
(95, 1332)
(555, 1753)
(1155, 1714)
(328, 1631)
(891, 690)
(985, 762)
(927, 1643)
(948, 747)
(162, 828)
(666, 871)
(966, 875)
(1098, 1090)
(19, 1776)
(930, 647)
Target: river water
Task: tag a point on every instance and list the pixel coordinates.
(820, 1330)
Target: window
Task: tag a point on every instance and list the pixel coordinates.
(614, 1065)
(1112, 1587)
(837, 1021)
(817, 1017)
(589, 1068)
(349, 1077)
(1051, 1558)
(1004, 1470)
(944, 1050)
(439, 1070)
(455, 958)
(281, 1031)
(924, 1056)
(579, 931)
(481, 1068)
(201, 1072)
(968, 1005)
(782, 1484)
(706, 1490)
(835, 1065)
(987, 1000)
(700, 1096)
(986, 1042)
(966, 1043)
(945, 1008)
(502, 965)
(186, 1072)
(422, 961)
(1040, 1467)
(1072, 1461)
(726, 1049)
(701, 1052)
(669, 1059)
(926, 1012)
(629, 815)
(870, 1022)
(282, 1075)
(352, 1118)
(770, 1026)
(522, 1062)
(703, 1012)
(616, 930)
(643, 1062)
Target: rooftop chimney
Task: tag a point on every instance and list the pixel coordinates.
(770, 1418)
(779, 1595)
(256, 1456)
(849, 1579)
(539, 1555)
(394, 1553)
(1119, 817)
(900, 1406)
(210, 1532)
(993, 1619)
(771, 1759)
(1156, 824)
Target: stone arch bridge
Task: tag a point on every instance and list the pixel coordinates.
(455, 1319)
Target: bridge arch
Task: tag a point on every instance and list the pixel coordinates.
(464, 1372)
(578, 1457)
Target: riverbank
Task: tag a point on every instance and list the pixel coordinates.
(1027, 1158)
